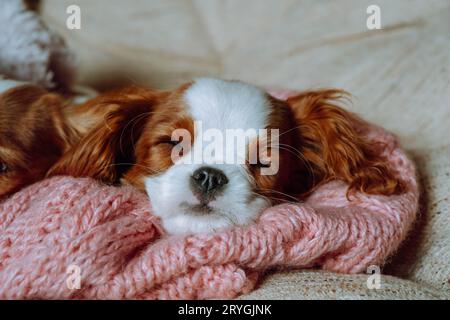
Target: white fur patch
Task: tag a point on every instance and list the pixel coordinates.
(224, 104)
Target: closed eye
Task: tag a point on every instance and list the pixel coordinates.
(263, 165)
(167, 141)
(259, 164)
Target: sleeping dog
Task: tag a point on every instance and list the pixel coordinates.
(148, 139)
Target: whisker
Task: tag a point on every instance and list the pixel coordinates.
(135, 120)
(279, 192)
(289, 146)
(301, 157)
(275, 198)
(291, 129)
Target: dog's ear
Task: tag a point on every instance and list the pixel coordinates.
(32, 134)
(106, 151)
(332, 148)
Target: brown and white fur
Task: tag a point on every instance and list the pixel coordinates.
(125, 136)
(32, 134)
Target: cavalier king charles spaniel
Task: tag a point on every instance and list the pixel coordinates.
(160, 142)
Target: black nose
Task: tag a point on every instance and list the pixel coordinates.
(207, 181)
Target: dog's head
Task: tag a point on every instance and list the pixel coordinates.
(216, 153)
(30, 139)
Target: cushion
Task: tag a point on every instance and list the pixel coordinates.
(314, 285)
(425, 255)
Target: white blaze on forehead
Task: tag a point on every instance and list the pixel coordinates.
(222, 104)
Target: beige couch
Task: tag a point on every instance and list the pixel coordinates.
(400, 78)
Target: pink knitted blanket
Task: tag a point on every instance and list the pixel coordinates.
(111, 237)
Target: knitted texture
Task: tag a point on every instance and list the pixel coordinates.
(122, 252)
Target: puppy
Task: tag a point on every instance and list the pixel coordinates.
(36, 128)
(32, 134)
(144, 138)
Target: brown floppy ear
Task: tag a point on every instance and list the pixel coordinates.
(333, 149)
(106, 151)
